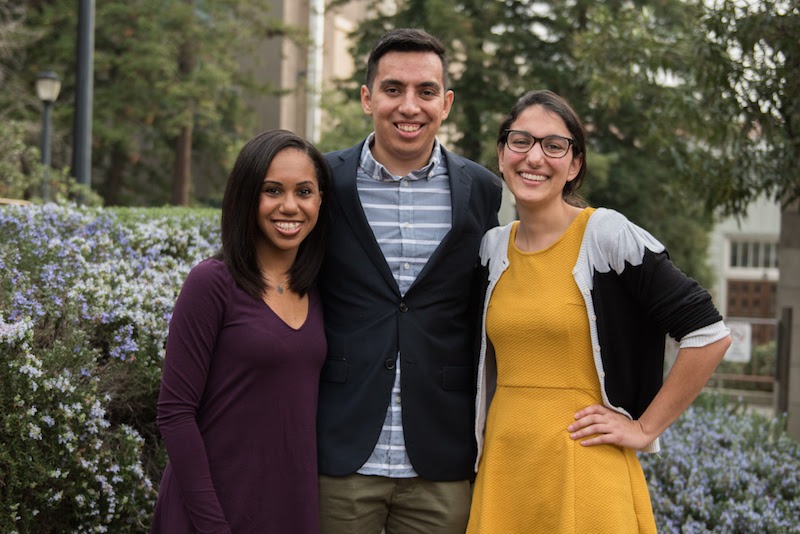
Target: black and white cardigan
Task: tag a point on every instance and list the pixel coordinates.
(634, 296)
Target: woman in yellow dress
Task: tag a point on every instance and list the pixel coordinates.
(570, 377)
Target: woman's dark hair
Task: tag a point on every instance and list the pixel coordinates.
(404, 40)
(240, 208)
(557, 105)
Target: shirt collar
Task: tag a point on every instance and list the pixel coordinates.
(375, 169)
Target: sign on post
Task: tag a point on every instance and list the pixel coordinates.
(741, 334)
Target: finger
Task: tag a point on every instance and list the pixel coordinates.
(600, 439)
(589, 410)
(587, 420)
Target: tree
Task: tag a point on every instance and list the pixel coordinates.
(613, 60)
(168, 86)
(693, 107)
(750, 76)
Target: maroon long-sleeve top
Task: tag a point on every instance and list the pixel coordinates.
(237, 412)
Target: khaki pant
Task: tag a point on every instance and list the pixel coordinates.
(361, 504)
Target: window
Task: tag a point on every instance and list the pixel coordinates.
(754, 254)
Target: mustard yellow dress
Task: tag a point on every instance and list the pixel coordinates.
(532, 477)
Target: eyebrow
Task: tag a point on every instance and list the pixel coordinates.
(429, 85)
(276, 182)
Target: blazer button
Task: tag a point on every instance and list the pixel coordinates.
(403, 307)
(389, 364)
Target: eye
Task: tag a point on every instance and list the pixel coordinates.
(271, 190)
(555, 143)
(520, 141)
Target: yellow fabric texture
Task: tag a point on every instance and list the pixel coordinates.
(532, 477)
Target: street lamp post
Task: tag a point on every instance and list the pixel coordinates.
(48, 85)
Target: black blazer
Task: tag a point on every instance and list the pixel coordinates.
(435, 327)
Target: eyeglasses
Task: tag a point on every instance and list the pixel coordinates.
(553, 146)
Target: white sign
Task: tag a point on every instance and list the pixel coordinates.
(741, 333)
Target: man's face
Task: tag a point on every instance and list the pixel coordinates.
(407, 102)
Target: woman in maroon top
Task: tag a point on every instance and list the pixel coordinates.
(237, 408)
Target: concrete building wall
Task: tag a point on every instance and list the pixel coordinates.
(761, 224)
(283, 64)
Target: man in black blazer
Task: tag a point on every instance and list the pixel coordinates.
(402, 290)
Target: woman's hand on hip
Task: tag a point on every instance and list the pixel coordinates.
(607, 426)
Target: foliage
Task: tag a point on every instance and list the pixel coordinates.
(85, 298)
(22, 176)
(159, 66)
(725, 469)
(15, 92)
(614, 61)
(749, 75)
(346, 123)
(762, 362)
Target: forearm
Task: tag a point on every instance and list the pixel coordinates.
(690, 373)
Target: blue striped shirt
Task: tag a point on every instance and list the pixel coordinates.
(409, 216)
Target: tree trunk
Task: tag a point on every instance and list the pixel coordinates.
(116, 171)
(182, 171)
(789, 297)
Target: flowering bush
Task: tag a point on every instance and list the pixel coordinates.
(725, 470)
(85, 299)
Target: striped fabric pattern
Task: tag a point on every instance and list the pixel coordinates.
(409, 216)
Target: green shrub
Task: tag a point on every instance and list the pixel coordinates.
(86, 295)
(85, 299)
(725, 470)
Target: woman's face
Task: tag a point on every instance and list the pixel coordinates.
(289, 202)
(535, 179)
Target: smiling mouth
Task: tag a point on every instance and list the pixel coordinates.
(409, 128)
(287, 226)
(532, 177)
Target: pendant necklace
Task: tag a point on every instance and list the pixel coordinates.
(279, 287)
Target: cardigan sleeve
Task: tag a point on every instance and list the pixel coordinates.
(674, 301)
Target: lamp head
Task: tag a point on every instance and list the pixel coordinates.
(48, 85)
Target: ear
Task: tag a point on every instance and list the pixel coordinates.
(575, 167)
(500, 153)
(366, 100)
(449, 96)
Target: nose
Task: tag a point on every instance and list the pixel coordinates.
(535, 153)
(409, 105)
(289, 204)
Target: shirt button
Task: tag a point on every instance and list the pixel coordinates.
(403, 307)
(407, 225)
(389, 363)
(404, 183)
(406, 266)
(397, 399)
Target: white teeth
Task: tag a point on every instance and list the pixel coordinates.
(288, 226)
(533, 177)
(408, 127)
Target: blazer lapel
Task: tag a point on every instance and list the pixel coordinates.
(345, 170)
(460, 187)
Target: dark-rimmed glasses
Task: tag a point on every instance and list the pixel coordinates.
(553, 146)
